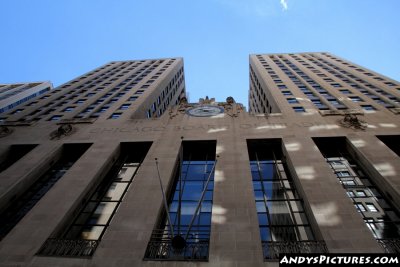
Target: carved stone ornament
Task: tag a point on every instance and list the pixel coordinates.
(180, 109)
(63, 130)
(5, 131)
(232, 108)
(353, 122)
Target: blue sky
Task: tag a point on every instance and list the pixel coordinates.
(60, 40)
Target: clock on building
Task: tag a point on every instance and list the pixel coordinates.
(205, 111)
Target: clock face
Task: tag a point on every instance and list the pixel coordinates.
(205, 111)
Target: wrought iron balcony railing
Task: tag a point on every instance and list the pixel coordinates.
(161, 247)
(272, 249)
(68, 247)
(390, 245)
(163, 250)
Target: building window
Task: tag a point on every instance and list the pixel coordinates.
(368, 107)
(115, 115)
(68, 109)
(292, 100)
(132, 98)
(124, 106)
(189, 209)
(299, 109)
(284, 226)
(55, 118)
(81, 236)
(355, 99)
(379, 214)
(21, 206)
(287, 93)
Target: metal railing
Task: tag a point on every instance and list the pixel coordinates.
(160, 246)
(390, 245)
(68, 247)
(272, 249)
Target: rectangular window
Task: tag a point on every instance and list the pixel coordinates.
(68, 109)
(55, 118)
(346, 92)
(115, 116)
(124, 106)
(287, 93)
(299, 109)
(13, 154)
(292, 100)
(355, 99)
(80, 237)
(379, 214)
(27, 200)
(186, 235)
(283, 223)
(368, 107)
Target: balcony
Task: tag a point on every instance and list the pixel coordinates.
(68, 247)
(160, 247)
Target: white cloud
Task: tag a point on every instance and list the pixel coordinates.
(284, 4)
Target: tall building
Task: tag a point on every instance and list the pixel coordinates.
(203, 181)
(318, 82)
(121, 89)
(12, 95)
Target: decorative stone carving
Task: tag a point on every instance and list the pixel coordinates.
(353, 122)
(63, 130)
(5, 131)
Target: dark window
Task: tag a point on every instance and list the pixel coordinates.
(189, 207)
(68, 109)
(27, 200)
(124, 106)
(345, 91)
(368, 107)
(299, 109)
(292, 100)
(355, 99)
(115, 115)
(284, 226)
(81, 236)
(55, 118)
(287, 93)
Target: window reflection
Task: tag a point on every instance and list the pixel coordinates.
(280, 210)
(194, 169)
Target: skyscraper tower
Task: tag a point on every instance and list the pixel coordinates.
(118, 90)
(318, 83)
